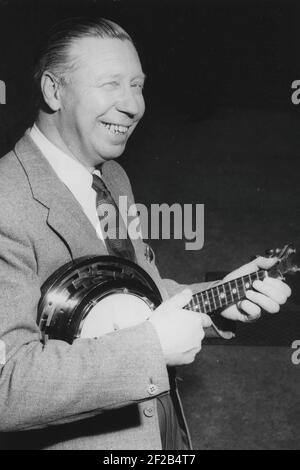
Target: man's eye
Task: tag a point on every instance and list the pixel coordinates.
(138, 85)
(111, 85)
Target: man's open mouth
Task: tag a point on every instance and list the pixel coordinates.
(115, 128)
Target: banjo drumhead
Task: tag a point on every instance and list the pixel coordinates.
(117, 311)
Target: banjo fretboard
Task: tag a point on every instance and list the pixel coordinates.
(223, 295)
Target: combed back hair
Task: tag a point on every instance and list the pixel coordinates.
(54, 52)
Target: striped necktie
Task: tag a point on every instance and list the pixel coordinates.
(112, 225)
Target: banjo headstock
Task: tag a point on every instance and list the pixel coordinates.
(287, 262)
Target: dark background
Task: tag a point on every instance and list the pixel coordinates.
(221, 130)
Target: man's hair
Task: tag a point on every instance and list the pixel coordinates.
(54, 54)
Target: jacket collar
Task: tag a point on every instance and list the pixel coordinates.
(65, 215)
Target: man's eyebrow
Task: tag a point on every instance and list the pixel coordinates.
(143, 76)
(115, 76)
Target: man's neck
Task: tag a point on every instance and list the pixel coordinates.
(48, 128)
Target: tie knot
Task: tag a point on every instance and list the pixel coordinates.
(98, 184)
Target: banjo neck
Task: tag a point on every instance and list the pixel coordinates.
(223, 295)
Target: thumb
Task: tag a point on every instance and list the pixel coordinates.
(205, 319)
(264, 263)
(180, 300)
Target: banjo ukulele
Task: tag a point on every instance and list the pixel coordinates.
(96, 295)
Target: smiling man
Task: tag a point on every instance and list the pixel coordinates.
(100, 104)
(112, 392)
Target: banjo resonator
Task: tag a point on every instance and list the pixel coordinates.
(93, 296)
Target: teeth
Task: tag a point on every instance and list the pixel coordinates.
(116, 129)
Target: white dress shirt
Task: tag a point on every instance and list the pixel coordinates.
(73, 174)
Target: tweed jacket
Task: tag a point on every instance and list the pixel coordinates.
(95, 393)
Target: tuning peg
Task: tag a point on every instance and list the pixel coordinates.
(270, 253)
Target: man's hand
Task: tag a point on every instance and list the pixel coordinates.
(268, 295)
(180, 331)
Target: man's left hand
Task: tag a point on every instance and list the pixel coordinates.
(268, 295)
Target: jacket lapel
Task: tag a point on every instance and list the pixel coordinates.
(65, 215)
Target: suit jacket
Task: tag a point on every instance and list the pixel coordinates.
(95, 393)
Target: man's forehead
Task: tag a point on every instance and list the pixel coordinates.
(109, 55)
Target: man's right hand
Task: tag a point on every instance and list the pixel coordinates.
(180, 331)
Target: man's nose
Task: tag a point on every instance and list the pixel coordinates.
(128, 103)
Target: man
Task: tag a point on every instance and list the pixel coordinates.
(111, 392)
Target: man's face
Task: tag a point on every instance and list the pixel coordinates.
(102, 101)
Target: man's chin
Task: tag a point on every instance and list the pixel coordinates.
(112, 153)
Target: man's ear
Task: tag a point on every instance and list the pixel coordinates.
(50, 90)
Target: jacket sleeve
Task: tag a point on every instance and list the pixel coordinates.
(56, 383)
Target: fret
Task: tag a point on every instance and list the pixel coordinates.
(200, 302)
(223, 295)
(244, 285)
(203, 302)
(252, 277)
(231, 292)
(214, 299)
(228, 294)
(218, 299)
(196, 302)
(237, 288)
(220, 295)
(248, 284)
(240, 288)
(198, 306)
(207, 301)
(262, 274)
(193, 303)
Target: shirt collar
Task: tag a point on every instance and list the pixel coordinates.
(70, 171)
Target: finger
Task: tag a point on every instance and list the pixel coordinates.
(270, 291)
(233, 313)
(180, 300)
(280, 285)
(251, 310)
(205, 320)
(264, 263)
(263, 301)
(255, 265)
